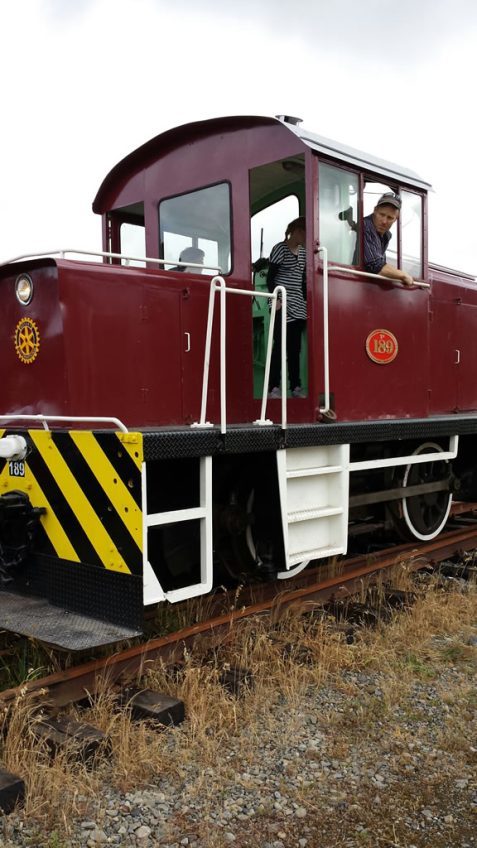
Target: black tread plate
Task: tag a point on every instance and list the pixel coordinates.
(37, 618)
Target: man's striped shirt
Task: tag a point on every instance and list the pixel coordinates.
(375, 246)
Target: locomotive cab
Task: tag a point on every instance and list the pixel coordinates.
(230, 187)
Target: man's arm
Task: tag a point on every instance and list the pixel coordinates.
(396, 274)
(375, 258)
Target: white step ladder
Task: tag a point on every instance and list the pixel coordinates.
(153, 592)
(314, 494)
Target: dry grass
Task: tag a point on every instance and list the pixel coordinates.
(298, 654)
(54, 787)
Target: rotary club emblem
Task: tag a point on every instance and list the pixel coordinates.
(27, 340)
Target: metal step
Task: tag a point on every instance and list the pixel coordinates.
(314, 494)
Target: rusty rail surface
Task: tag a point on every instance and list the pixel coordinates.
(66, 687)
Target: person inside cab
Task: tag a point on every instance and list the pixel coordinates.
(287, 268)
(191, 254)
(377, 236)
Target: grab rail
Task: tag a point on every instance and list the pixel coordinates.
(218, 283)
(326, 409)
(72, 418)
(62, 253)
(421, 284)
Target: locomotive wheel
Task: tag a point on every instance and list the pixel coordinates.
(422, 516)
(248, 529)
(268, 564)
(246, 549)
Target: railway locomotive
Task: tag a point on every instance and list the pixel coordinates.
(141, 458)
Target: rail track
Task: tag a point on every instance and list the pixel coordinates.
(49, 695)
(311, 588)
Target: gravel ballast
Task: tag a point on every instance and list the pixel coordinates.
(363, 759)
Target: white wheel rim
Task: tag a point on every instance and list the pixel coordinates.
(424, 537)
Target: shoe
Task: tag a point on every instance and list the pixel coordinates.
(275, 393)
(298, 392)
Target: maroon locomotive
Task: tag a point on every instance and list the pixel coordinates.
(140, 456)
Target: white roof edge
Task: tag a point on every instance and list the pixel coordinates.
(357, 157)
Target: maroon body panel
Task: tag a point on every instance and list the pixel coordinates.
(466, 348)
(40, 386)
(363, 388)
(443, 356)
(122, 342)
(130, 343)
(453, 342)
(127, 363)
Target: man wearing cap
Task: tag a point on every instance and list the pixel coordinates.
(191, 254)
(377, 238)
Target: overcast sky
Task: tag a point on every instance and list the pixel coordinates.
(84, 82)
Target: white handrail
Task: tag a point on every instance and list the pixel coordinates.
(412, 459)
(283, 364)
(421, 284)
(219, 283)
(72, 418)
(223, 388)
(63, 251)
(325, 410)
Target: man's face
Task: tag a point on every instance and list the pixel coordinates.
(384, 217)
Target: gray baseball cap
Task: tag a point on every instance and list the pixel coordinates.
(390, 199)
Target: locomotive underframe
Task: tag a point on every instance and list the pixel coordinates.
(220, 495)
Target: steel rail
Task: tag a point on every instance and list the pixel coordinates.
(63, 688)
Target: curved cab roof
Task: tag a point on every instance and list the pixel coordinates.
(188, 133)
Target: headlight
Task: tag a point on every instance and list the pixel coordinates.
(24, 289)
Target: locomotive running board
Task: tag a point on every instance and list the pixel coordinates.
(38, 618)
(314, 490)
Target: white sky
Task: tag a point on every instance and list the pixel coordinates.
(84, 82)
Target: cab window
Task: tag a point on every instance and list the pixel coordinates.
(198, 220)
(411, 233)
(405, 248)
(133, 243)
(372, 192)
(128, 224)
(338, 214)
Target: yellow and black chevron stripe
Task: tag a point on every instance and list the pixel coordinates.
(90, 486)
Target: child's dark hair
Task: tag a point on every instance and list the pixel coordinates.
(296, 224)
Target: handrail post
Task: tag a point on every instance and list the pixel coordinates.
(216, 282)
(278, 290)
(223, 369)
(268, 356)
(284, 381)
(326, 349)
